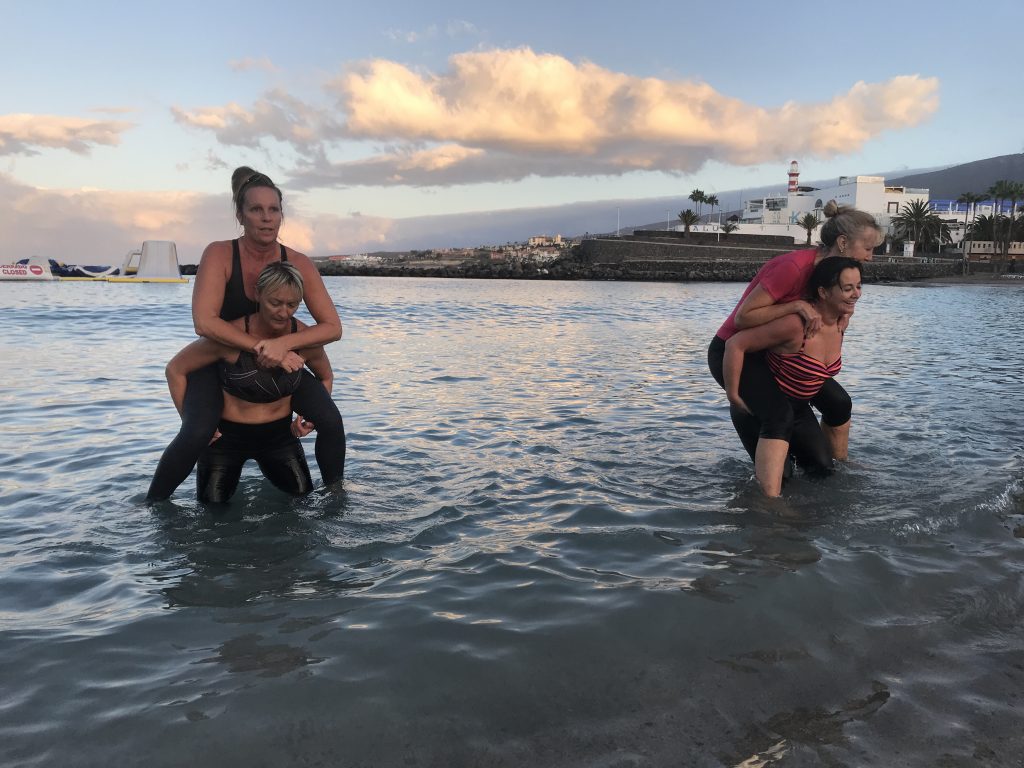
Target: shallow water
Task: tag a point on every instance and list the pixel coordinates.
(549, 549)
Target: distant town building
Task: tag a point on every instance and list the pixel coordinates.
(540, 240)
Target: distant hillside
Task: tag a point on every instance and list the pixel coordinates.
(608, 216)
(950, 183)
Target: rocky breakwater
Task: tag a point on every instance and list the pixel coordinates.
(471, 269)
(733, 260)
(638, 258)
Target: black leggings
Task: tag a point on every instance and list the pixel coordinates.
(278, 452)
(776, 416)
(204, 401)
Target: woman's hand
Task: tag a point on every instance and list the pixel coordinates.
(274, 353)
(293, 362)
(737, 401)
(271, 353)
(810, 316)
(215, 438)
(301, 427)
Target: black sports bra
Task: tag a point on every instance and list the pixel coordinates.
(236, 303)
(247, 381)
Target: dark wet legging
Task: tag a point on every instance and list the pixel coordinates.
(272, 445)
(204, 401)
(776, 416)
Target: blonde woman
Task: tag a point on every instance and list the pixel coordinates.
(256, 418)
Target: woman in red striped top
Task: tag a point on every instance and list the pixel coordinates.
(800, 364)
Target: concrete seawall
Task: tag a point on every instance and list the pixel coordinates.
(661, 259)
(645, 258)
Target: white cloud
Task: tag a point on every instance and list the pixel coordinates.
(411, 35)
(503, 115)
(459, 27)
(115, 110)
(249, 63)
(26, 134)
(544, 107)
(278, 116)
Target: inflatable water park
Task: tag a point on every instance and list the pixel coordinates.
(155, 262)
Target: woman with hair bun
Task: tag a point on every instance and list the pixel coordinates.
(778, 290)
(256, 422)
(224, 290)
(800, 365)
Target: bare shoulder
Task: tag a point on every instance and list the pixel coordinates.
(303, 263)
(218, 249)
(297, 256)
(301, 260)
(217, 253)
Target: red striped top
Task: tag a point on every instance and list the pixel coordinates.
(799, 375)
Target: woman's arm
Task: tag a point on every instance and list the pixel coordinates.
(196, 355)
(318, 362)
(760, 308)
(786, 330)
(320, 306)
(208, 298)
(320, 365)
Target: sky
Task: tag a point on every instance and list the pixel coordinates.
(411, 124)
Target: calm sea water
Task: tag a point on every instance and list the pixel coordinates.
(549, 550)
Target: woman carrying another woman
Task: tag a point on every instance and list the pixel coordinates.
(256, 421)
(225, 280)
(776, 291)
(800, 365)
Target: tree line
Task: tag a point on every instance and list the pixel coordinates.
(918, 222)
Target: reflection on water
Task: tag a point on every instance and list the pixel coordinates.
(549, 548)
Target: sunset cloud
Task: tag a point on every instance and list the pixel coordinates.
(276, 116)
(504, 115)
(547, 110)
(26, 134)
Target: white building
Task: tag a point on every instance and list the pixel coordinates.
(778, 214)
(542, 240)
(866, 193)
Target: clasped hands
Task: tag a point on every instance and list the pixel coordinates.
(274, 353)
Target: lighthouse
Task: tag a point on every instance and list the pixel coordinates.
(794, 176)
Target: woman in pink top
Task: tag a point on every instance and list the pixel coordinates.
(776, 291)
(800, 365)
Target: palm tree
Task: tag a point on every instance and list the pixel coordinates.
(1014, 191)
(728, 227)
(983, 228)
(711, 200)
(970, 213)
(911, 219)
(688, 218)
(698, 197)
(809, 221)
(972, 199)
(1011, 191)
(920, 223)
